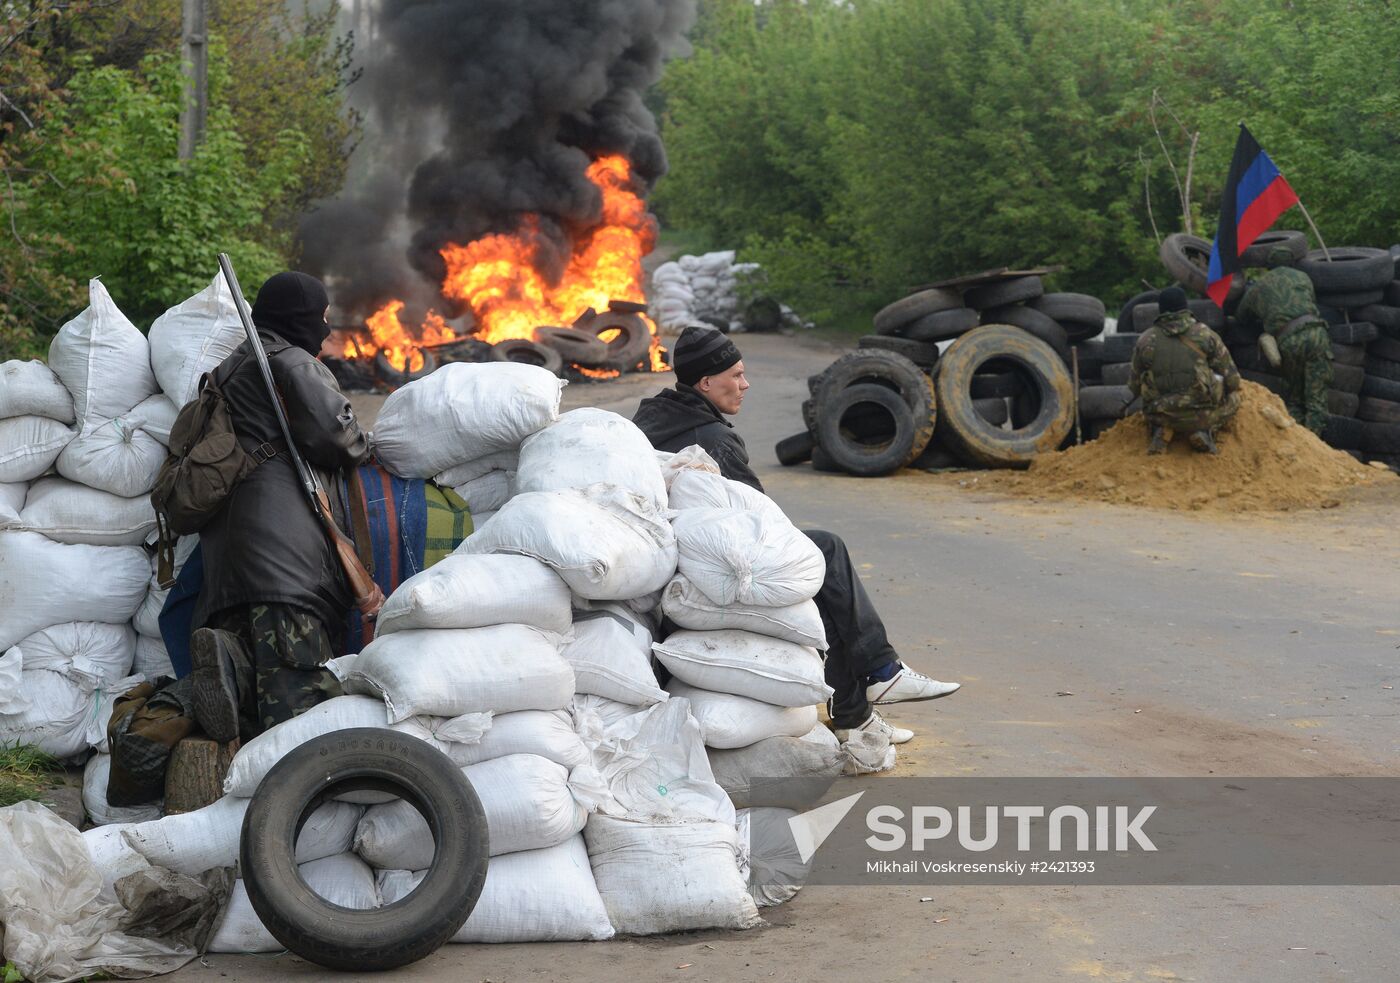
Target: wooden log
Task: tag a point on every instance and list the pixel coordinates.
(195, 776)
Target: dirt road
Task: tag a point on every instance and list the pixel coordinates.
(1183, 645)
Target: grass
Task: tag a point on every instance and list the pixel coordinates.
(25, 773)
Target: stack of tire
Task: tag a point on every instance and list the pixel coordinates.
(998, 395)
(616, 340)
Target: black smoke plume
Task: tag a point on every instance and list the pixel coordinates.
(478, 112)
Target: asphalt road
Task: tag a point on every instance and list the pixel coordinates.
(1091, 640)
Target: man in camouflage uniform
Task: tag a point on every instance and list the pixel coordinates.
(1185, 376)
(1295, 338)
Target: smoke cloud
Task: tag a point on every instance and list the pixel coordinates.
(477, 112)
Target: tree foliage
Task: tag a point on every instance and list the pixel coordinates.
(860, 147)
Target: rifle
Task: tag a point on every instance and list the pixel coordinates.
(368, 597)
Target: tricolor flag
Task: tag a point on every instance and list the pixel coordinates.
(1256, 194)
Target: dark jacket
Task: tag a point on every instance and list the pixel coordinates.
(265, 544)
(674, 419)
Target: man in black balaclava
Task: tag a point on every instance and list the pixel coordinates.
(274, 599)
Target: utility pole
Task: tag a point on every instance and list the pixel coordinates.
(194, 65)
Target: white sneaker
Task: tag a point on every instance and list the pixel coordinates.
(908, 686)
(877, 724)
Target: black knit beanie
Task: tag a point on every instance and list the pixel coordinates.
(1171, 299)
(700, 351)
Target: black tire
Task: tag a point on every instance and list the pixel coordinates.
(795, 449)
(1348, 354)
(1204, 311)
(529, 353)
(1383, 368)
(996, 385)
(1392, 293)
(894, 446)
(994, 411)
(1033, 323)
(1387, 348)
(629, 343)
(1078, 308)
(625, 307)
(1342, 404)
(1352, 301)
(1080, 331)
(1257, 255)
(1187, 258)
(392, 377)
(1119, 347)
(1236, 333)
(1332, 315)
(1090, 356)
(1344, 433)
(809, 415)
(877, 367)
(941, 325)
(1378, 410)
(1355, 333)
(1379, 388)
(909, 309)
(976, 439)
(936, 457)
(575, 345)
(1384, 317)
(1349, 378)
(922, 353)
(1106, 402)
(821, 461)
(1268, 380)
(1125, 314)
(1003, 292)
(377, 938)
(1350, 269)
(1117, 374)
(1248, 357)
(814, 382)
(1380, 438)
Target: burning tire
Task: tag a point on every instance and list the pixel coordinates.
(394, 378)
(1048, 388)
(628, 339)
(577, 347)
(527, 352)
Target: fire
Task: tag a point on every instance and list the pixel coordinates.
(499, 277)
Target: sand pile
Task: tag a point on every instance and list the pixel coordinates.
(1266, 461)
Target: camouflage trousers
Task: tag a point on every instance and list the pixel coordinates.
(1187, 420)
(1307, 369)
(280, 670)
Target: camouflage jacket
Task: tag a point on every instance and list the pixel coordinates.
(1176, 363)
(1277, 298)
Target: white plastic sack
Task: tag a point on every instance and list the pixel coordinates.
(688, 607)
(695, 488)
(746, 557)
(29, 445)
(527, 801)
(462, 412)
(95, 775)
(147, 618)
(31, 389)
(669, 878)
(815, 755)
(112, 856)
(66, 583)
(488, 492)
(116, 455)
(606, 543)
(768, 857)
(692, 458)
(593, 715)
(461, 474)
(152, 659)
(156, 416)
(192, 338)
(547, 733)
(745, 664)
(343, 879)
(102, 359)
(531, 896)
(588, 446)
(68, 512)
(12, 495)
(452, 671)
(729, 721)
(56, 714)
(90, 653)
(611, 656)
(476, 591)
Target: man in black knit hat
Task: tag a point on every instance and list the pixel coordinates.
(861, 665)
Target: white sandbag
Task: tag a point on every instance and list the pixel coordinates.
(547, 733)
(606, 543)
(769, 860)
(12, 495)
(531, 896)
(460, 474)
(90, 653)
(593, 715)
(116, 455)
(669, 272)
(747, 557)
(692, 458)
(480, 519)
(112, 856)
(56, 714)
(528, 806)
(329, 831)
(31, 389)
(668, 878)
(488, 492)
(29, 445)
(745, 664)
(343, 879)
(102, 359)
(66, 583)
(688, 607)
(451, 671)
(156, 416)
(588, 446)
(68, 512)
(462, 412)
(815, 755)
(152, 659)
(95, 775)
(611, 656)
(695, 488)
(147, 618)
(192, 338)
(256, 758)
(729, 721)
(475, 591)
(240, 929)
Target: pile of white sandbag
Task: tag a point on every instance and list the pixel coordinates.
(694, 287)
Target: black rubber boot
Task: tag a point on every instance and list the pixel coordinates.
(1158, 443)
(215, 678)
(1202, 441)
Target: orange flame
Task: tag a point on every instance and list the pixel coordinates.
(499, 277)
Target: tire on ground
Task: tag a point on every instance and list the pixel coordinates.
(883, 368)
(974, 437)
(1344, 433)
(795, 449)
(1380, 438)
(576, 346)
(1003, 292)
(1268, 380)
(994, 411)
(629, 339)
(375, 938)
(940, 325)
(1257, 255)
(922, 353)
(996, 385)
(909, 309)
(1348, 378)
(1105, 402)
(894, 446)
(1349, 270)
(821, 461)
(1342, 404)
(529, 353)
(1378, 410)
(394, 377)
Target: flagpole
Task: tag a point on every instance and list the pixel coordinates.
(1313, 226)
